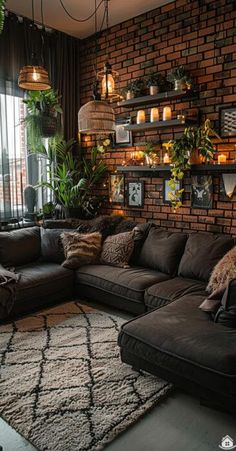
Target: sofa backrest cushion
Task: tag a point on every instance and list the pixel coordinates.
(162, 250)
(202, 253)
(51, 245)
(19, 247)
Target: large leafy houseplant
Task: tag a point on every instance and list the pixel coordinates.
(43, 116)
(72, 183)
(194, 139)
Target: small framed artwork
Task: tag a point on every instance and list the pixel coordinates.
(167, 190)
(201, 191)
(117, 189)
(135, 193)
(122, 137)
(227, 122)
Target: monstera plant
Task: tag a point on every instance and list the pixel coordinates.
(2, 14)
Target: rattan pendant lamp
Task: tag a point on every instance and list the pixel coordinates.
(96, 117)
(34, 77)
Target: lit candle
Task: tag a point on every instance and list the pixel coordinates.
(166, 159)
(154, 115)
(221, 158)
(167, 113)
(141, 117)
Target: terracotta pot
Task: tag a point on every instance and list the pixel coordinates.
(195, 157)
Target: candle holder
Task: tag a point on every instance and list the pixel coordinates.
(167, 113)
(221, 158)
(154, 116)
(141, 117)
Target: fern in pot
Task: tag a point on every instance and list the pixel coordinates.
(180, 78)
(135, 88)
(155, 82)
(43, 119)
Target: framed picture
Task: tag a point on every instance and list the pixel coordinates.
(227, 122)
(202, 191)
(122, 137)
(135, 194)
(167, 190)
(117, 188)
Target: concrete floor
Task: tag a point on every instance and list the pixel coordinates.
(178, 423)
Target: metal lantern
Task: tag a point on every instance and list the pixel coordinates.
(96, 117)
(109, 79)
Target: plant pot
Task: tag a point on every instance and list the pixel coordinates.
(153, 90)
(129, 95)
(49, 126)
(73, 212)
(195, 157)
(180, 85)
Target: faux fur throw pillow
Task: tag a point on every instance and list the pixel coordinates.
(81, 249)
(223, 272)
(117, 249)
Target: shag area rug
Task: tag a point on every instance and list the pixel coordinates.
(64, 387)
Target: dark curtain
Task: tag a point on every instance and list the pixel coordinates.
(58, 53)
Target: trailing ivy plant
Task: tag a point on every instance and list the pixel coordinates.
(2, 14)
(193, 138)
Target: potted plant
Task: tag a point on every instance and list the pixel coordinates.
(155, 82)
(180, 77)
(43, 116)
(2, 14)
(72, 184)
(135, 88)
(193, 147)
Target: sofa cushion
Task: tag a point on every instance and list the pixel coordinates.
(187, 344)
(202, 253)
(117, 249)
(223, 272)
(20, 247)
(165, 292)
(51, 245)
(129, 283)
(162, 250)
(42, 280)
(81, 248)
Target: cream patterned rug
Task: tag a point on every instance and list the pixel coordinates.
(63, 385)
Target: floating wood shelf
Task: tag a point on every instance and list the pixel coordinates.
(159, 124)
(158, 98)
(165, 168)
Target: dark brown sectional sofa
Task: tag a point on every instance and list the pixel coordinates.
(166, 283)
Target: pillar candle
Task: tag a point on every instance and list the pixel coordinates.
(167, 113)
(154, 115)
(221, 158)
(141, 117)
(166, 159)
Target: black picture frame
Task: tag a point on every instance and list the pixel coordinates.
(135, 194)
(227, 122)
(117, 189)
(201, 191)
(122, 137)
(167, 189)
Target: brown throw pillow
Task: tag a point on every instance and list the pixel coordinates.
(81, 249)
(117, 249)
(223, 272)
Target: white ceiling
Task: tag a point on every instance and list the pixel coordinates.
(55, 17)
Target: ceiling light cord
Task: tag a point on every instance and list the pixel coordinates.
(80, 20)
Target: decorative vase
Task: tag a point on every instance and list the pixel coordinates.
(153, 90)
(129, 95)
(195, 157)
(180, 85)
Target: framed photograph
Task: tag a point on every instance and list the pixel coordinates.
(227, 122)
(135, 194)
(202, 191)
(167, 190)
(117, 188)
(122, 137)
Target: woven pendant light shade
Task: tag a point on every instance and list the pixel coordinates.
(96, 117)
(34, 78)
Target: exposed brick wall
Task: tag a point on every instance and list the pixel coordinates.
(202, 36)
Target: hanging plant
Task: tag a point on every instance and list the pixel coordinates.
(195, 140)
(2, 14)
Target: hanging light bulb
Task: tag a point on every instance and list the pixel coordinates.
(34, 77)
